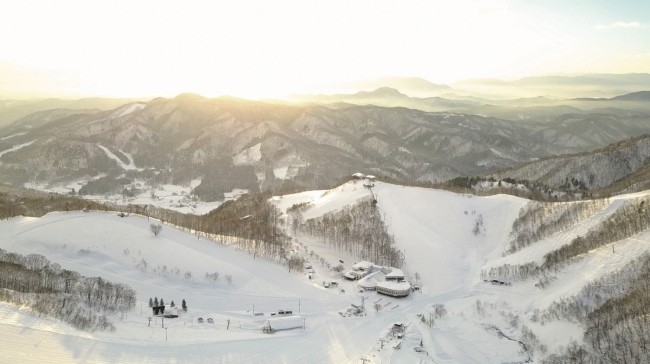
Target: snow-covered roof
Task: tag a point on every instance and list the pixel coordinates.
(370, 176)
(396, 286)
(371, 280)
(358, 175)
(395, 273)
(362, 265)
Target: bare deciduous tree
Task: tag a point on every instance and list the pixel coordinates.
(155, 229)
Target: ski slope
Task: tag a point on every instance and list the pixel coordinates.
(127, 167)
(15, 148)
(434, 228)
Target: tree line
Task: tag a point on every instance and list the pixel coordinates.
(83, 302)
(628, 220)
(251, 223)
(537, 220)
(16, 203)
(615, 313)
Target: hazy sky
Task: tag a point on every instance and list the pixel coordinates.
(272, 48)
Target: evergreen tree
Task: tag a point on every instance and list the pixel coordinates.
(162, 303)
(184, 305)
(150, 302)
(155, 301)
(172, 304)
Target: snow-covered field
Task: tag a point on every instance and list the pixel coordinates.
(433, 227)
(168, 196)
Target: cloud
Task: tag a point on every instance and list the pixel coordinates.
(618, 24)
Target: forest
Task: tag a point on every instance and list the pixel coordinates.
(48, 290)
(615, 314)
(614, 310)
(628, 220)
(358, 230)
(538, 220)
(15, 202)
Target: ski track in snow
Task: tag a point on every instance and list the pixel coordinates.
(131, 109)
(11, 136)
(129, 167)
(433, 228)
(15, 148)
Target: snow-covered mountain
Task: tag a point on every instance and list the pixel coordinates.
(619, 168)
(449, 241)
(229, 143)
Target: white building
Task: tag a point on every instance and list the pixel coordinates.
(395, 275)
(394, 288)
(370, 282)
(359, 270)
(395, 284)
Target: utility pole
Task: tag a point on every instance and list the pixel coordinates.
(163, 322)
(165, 334)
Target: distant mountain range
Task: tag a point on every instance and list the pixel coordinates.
(412, 86)
(588, 85)
(534, 108)
(634, 96)
(388, 97)
(618, 168)
(233, 143)
(562, 87)
(12, 110)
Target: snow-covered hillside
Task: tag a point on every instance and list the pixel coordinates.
(167, 196)
(447, 240)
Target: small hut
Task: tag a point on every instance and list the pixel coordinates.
(158, 310)
(369, 181)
